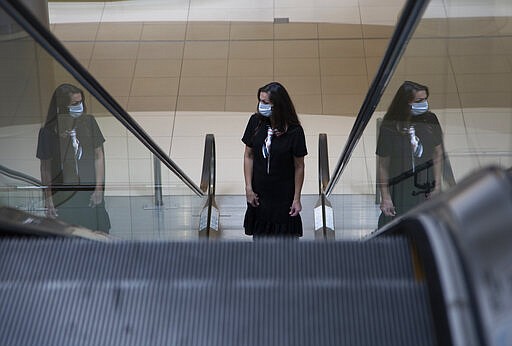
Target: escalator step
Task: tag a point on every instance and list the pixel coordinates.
(55, 259)
(204, 313)
(69, 292)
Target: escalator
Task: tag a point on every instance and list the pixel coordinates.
(438, 276)
(223, 293)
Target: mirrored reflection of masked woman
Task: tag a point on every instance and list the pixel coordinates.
(70, 147)
(410, 152)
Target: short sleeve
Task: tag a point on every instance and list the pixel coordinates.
(98, 138)
(384, 142)
(250, 129)
(299, 148)
(437, 133)
(45, 142)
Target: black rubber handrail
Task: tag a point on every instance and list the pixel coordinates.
(57, 50)
(208, 175)
(411, 172)
(209, 171)
(447, 172)
(411, 15)
(22, 224)
(323, 163)
(323, 181)
(11, 173)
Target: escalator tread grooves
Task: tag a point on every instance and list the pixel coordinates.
(226, 293)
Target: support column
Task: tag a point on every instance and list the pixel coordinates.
(26, 70)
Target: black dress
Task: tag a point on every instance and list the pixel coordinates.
(395, 144)
(273, 181)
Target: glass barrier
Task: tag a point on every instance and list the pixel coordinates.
(93, 171)
(21, 194)
(460, 56)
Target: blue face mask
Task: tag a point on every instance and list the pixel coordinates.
(76, 110)
(419, 108)
(265, 109)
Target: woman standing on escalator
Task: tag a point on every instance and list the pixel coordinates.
(275, 147)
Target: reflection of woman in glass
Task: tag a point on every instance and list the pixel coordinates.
(70, 147)
(410, 152)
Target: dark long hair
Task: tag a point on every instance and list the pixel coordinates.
(283, 110)
(60, 101)
(399, 110)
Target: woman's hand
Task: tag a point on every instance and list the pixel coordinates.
(387, 207)
(436, 191)
(50, 212)
(295, 208)
(96, 198)
(252, 197)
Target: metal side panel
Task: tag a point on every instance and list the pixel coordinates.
(465, 233)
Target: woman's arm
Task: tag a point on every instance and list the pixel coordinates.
(99, 167)
(299, 181)
(46, 173)
(386, 203)
(252, 198)
(437, 159)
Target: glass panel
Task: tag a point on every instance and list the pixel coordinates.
(41, 137)
(353, 198)
(463, 54)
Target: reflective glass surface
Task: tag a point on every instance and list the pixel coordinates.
(83, 168)
(462, 52)
(187, 68)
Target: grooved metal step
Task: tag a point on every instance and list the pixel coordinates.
(84, 260)
(64, 292)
